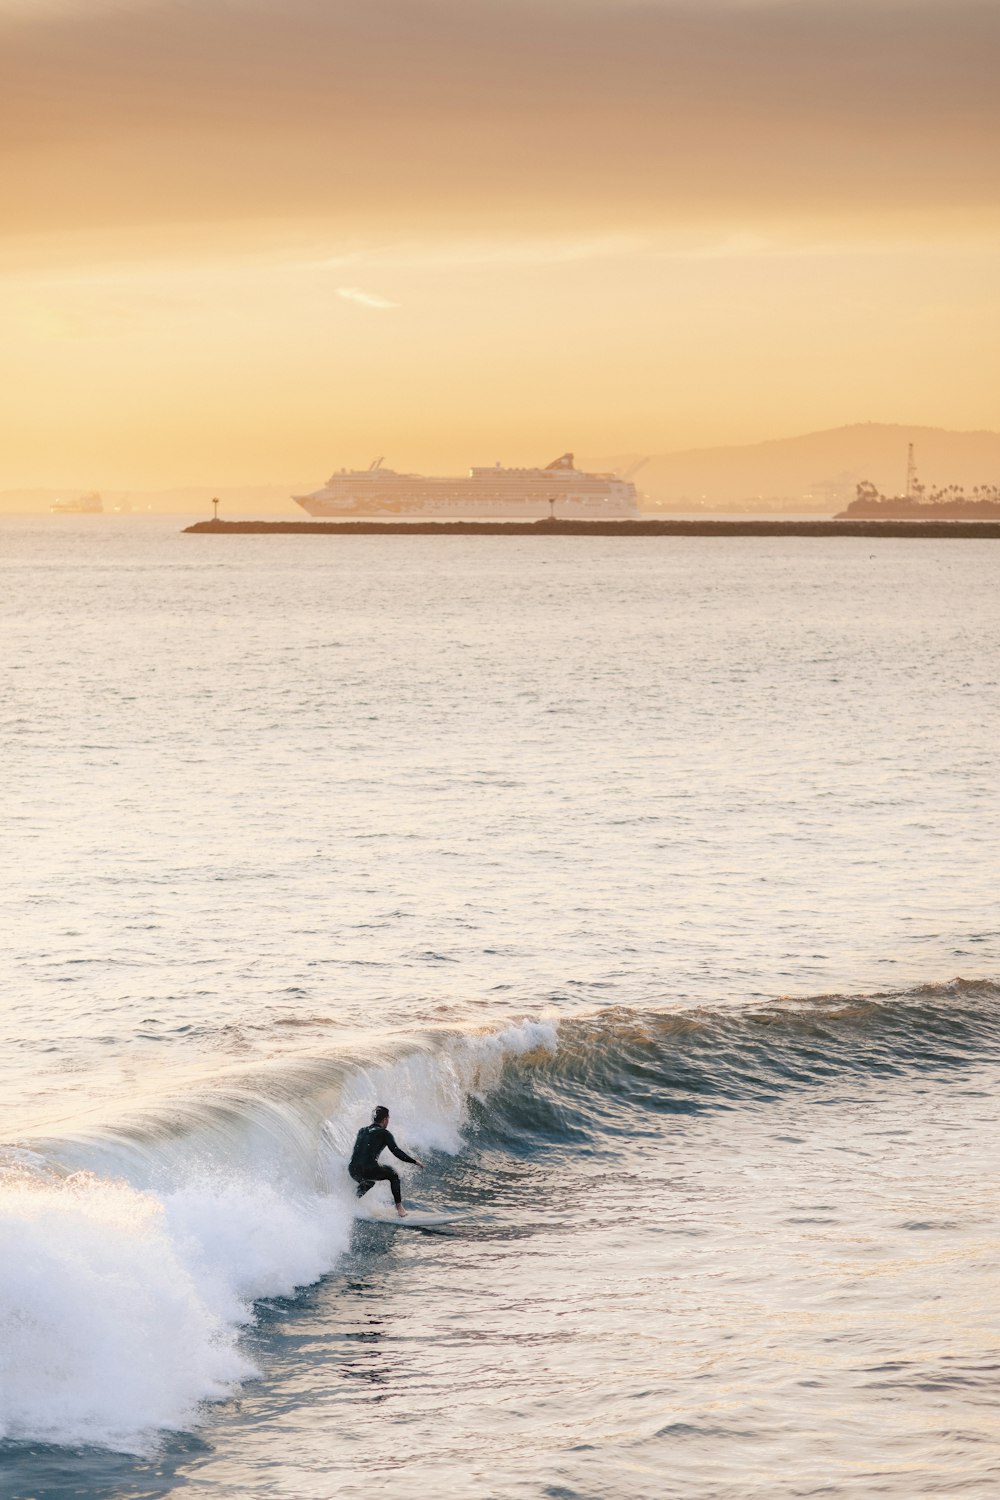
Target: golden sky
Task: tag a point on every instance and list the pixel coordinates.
(245, 241)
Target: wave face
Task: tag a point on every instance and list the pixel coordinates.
(133, 1256)
(685, 1061)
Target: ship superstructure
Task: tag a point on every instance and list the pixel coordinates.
(560, 489)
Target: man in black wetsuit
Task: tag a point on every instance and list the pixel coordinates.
(365, 1169)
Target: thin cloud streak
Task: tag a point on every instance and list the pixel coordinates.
(365, 299)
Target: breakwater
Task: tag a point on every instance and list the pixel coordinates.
(549, 527)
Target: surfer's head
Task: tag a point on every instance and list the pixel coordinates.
(381, 1115)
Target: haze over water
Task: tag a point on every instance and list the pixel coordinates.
(650, 882)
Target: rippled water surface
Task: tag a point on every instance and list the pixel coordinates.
(652, 884)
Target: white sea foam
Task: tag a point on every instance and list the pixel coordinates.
(123, 1291)
(107, 1334)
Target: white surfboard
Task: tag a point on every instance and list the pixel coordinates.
(414, 1218)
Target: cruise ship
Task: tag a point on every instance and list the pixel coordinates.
(560, 489)
(90, 504)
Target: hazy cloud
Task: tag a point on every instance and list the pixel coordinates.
(588, 118)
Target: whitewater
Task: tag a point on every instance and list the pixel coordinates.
(651, 885)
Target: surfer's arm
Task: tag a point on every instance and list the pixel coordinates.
(400, 1154)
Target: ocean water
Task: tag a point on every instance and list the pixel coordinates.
(651, 883)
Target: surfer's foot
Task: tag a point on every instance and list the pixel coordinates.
(401, 1210)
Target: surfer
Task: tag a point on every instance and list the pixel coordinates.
(365, 1167)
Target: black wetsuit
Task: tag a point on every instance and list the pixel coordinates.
(365, 1169)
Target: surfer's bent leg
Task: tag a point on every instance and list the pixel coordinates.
(381, 1174)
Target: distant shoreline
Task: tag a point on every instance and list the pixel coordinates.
(549, 527)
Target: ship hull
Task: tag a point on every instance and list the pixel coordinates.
(466, 508)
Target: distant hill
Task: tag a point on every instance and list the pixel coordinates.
(816, 472)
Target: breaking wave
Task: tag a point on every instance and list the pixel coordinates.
(133, 1256)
